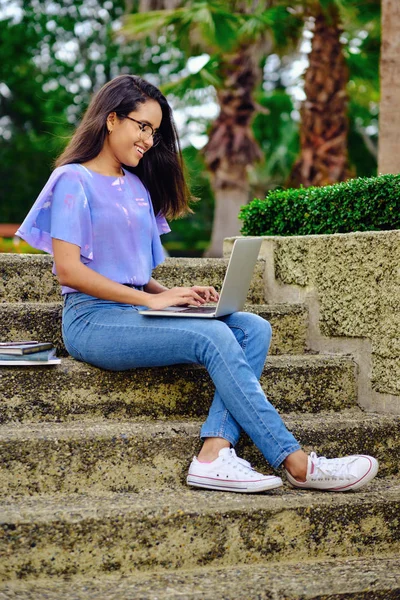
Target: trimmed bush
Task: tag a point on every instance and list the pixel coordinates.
(363, 204)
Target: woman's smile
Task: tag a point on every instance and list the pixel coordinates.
(139, 150)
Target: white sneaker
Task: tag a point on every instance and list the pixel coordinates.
(230, 473)
(337, 474)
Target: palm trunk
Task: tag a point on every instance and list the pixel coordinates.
(389, 118)
(228, 201)
(324, 125)
(231, 146)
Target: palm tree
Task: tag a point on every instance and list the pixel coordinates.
(231, 147)
(324, 122)
(236, 34)
(389, 121)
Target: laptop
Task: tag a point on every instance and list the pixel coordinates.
(234, 288)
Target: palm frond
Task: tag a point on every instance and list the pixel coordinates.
(205, 77)
(140, 25)
(205, 26)
(283, 24)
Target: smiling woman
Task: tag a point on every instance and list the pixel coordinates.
(101, 215)
(127, 143)
(114, 134)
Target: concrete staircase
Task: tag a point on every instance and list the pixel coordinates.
(92, 481)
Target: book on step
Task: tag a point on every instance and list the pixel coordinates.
(27, 354)
(23, 348)
(29, 363)
(44, 355)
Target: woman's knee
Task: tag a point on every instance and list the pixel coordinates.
(256, 326)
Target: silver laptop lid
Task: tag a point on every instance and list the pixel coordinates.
(238, 275)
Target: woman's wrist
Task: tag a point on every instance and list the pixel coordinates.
(154, 287)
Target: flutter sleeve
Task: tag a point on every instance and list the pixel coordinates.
(162, 224)
(159, 226)
(61, 211)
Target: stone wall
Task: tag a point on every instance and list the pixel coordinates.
(351, 284)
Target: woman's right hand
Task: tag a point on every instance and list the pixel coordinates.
(175, 297)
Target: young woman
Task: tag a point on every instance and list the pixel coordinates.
(101, 215)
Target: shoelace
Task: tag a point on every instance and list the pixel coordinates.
(235, 459)
(331, 466)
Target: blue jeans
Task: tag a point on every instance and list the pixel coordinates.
(233, 349)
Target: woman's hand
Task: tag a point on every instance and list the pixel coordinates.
(207, 292)
(177, 296)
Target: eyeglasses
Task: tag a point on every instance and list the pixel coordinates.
(146, 131)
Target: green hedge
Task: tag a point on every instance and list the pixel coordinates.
(363, 204)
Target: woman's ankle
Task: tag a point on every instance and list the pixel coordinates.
(211, 448)
(297, 463)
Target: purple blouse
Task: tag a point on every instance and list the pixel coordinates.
(110, 218)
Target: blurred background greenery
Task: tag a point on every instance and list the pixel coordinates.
(234, 73)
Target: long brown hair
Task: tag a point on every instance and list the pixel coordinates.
(161, 169)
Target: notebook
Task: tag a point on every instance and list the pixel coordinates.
(234, 288)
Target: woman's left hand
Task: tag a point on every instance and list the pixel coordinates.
(207, 292)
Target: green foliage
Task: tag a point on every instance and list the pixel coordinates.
(16, 246)
(284, 25)
(52, 58)
(363, 148)
(214, 27)
(207, 76)
(363, 204)
(278, 137)
(362, 37)
(192, 233)
(45, 91)
(200, 26)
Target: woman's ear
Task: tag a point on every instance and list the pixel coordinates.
(110, 122)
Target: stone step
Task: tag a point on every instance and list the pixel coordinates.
(183, 529)
(42, 321)
(97, 456)
(28, 277)
(355, 578)
(74, 390)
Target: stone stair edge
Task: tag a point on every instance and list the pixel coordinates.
(27, 278)
(356, 577)
(307, 383)
(69, 368)
(184, 529)
(23, 258)
(189, 501)
(281, 360)
(148, 428)
(124, 456)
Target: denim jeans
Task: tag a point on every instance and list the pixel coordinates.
(233, 349)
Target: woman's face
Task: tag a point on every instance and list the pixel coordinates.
(126, 141)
